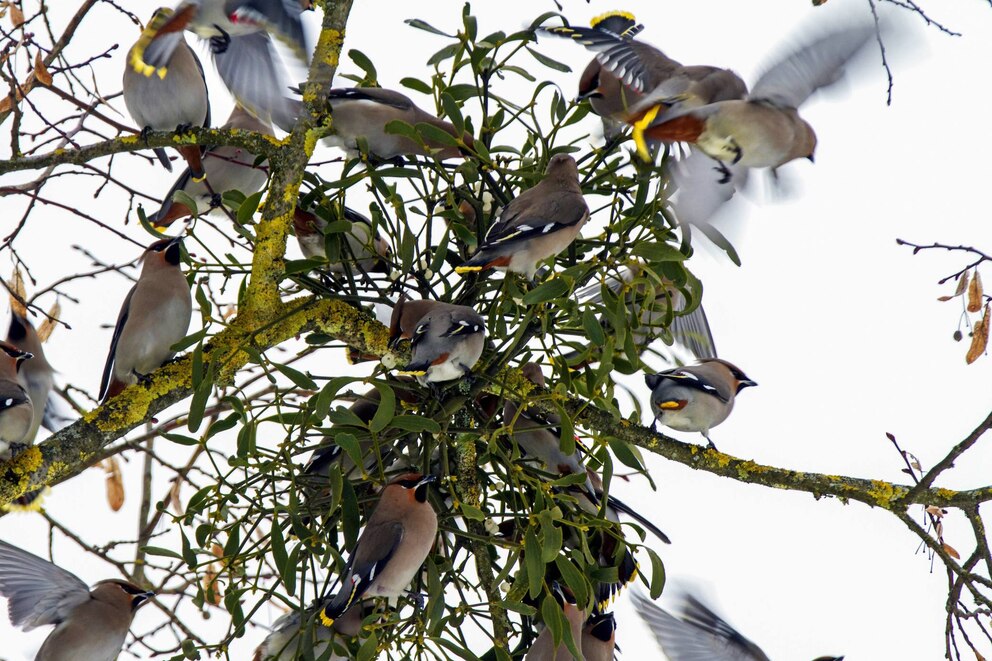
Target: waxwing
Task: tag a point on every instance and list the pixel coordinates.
(89, 624)
(544, 648)
(16, 410)
(171, 98)
(696, 398)
(599, 636)
(228, 168)
(155, 315)
(537, 224)
(240, 33)
(447, 340)
(391, 548)
(363, 249)
(700, 634)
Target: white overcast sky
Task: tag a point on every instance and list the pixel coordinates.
(839, 326)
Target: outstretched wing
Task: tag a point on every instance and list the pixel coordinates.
(37, 591)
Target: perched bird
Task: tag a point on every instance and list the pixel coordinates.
(763, 130)
(544, 648)
(700, 634)
(364, 112)
(391, 549)
(540, 437)
(294, 632)
(155, 315)
(227, 167)
(240, 34)
(36, 375)
(599, 637)
(171, 98)
(650, 315)
(363, 248)
(16, 410)
(696, 398)
(447, 341)
(537, 224)
(89, 624)
(626, 69)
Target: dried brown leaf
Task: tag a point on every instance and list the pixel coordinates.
(979, 338)
(944, 299)
(6, 103)
(18, 293)
(935, 511)
(41, 71)
(47, 327)
(962, 283)
(978, 657)
(115, 484)
(951, 552)
(975, 293)
(217, 551)
(16, 15)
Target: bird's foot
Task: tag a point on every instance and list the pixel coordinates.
(143, 379)
(220, 43)
(15, 449)
(144, 134)
(216, 201)
(184, 128)
(710, 443)
(726, 174)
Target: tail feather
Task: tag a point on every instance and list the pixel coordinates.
(163, 158)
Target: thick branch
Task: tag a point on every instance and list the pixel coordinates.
(256, 143)
(78, 446)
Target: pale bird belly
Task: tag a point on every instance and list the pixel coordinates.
(15, 423)
(446, 371)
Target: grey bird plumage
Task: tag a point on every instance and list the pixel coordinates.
(240, 33)
(536, 225)
(35, 375)
(16, 409)
(699, 634)
(169, 97)
(392, 547)
(89, 624)
(294, 635)
(155, 315)
(363, 113)
(227, 168)
(696, 398)
(446, 342)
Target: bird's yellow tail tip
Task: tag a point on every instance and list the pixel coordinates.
(416, 373)
(326, 621)
(638, 132)
(460, 270)
(616, 13)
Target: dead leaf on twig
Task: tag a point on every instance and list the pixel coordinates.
(48, 325)
(951, 552)
(41, 71)
(979, 338)
(975, 293)
(115, 484)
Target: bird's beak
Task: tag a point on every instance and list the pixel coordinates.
(811, 159)
(140, 599)
(747, 383)
(427, 479)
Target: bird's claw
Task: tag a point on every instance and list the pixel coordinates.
(220, 43)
